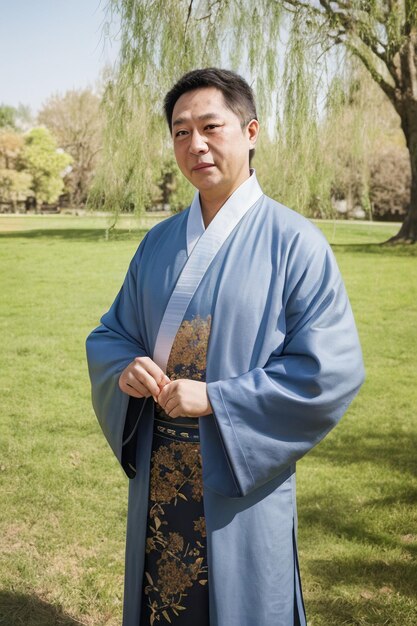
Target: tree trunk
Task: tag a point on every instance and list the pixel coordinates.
(408, 231)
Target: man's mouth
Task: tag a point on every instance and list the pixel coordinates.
(202, 166)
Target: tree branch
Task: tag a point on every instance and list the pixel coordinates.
(411, 14)
(350, 19)
(411, 59)
(388, 89)
(345, 16)
(190, 8)
(299, 4)
(345, 19)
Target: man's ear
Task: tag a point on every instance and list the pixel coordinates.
(253, 131)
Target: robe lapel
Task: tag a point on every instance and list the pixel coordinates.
(202, 247)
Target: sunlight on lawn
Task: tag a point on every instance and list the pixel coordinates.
(62, 518)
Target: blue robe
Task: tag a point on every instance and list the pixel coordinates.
(283, 364)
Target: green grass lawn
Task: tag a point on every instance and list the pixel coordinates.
(63, 495)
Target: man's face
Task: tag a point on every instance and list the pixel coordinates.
(210, 146)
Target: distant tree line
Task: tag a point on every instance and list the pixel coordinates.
(31, 168)
(54, 156)
(83, 151)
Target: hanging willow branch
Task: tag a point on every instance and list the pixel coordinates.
(282, 48)
(162, 39)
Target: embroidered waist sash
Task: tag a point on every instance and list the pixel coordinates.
(176, 430)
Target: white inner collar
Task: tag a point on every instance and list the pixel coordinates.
(241, 197)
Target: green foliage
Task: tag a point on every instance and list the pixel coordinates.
(411, 12)
(174, 189)
(76, 121)
(126, 175)
(45, 163)
(14, 186)
(371, 165)
(7, 116)
(15, 118)
(11, 143)
(296, 149)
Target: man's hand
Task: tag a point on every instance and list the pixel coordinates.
(143, 378)
(185, 398)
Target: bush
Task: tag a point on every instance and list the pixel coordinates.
(390, 182)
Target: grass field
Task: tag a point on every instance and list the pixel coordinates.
(63, 496)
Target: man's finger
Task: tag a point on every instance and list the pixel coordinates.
(146, 379)
(153, 370)
(173, 408)
(137, 386)
(164, 394)
(171, 404)
(131, 391)
(133, 385)
(164, 381)
(176, 412)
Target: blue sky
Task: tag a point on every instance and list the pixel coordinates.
(49, 46)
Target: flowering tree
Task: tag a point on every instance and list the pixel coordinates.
(45, 163)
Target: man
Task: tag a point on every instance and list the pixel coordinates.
(240, 301)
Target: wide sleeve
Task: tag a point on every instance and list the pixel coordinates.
(270, 416)
(110, 348)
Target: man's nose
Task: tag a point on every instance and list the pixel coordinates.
(198, 144)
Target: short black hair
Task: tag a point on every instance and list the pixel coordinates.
(237, 94)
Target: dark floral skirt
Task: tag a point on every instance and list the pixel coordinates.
(175, 582)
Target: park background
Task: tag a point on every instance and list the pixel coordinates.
(85, 170)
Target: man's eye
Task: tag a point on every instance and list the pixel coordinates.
(180, 133)
(211, 126)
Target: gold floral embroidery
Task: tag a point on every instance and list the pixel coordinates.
(180, 564)
(176, 471)
(189, 351)
(188, 354)
(200, 526)
(173, 466)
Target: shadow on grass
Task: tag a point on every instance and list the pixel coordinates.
(97, 234)
(376, 248)
(380, 593)
(375, 562)
(364, 609)
(77, 234)
(395, 449)
(18, 609)
(335, 515)
(398, 576)
(359, 589)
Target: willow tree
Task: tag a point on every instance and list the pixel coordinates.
(383, 35)
(161, 39)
